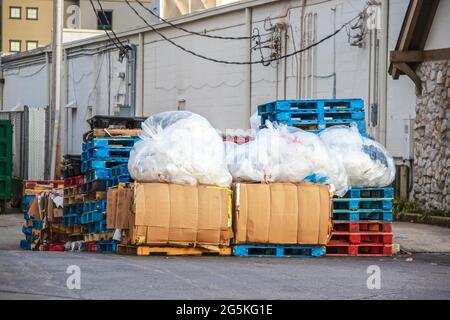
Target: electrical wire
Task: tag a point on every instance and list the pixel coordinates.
(199, 33)
(125, 48)
(190, 31)
(264, 61)
(118, 45)
(28, 75)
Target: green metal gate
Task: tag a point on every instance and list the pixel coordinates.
(5, 161)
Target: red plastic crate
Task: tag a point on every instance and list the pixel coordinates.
(361, 250)
(369, 226)
(91, 246)
(31, 184)
(56, 247)
(74, 181)
(361, 237)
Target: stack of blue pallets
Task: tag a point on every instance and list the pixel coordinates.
(105, 165)
(315, 115)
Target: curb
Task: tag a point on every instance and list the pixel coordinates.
(418, 218)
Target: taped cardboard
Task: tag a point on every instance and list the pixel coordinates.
(282, 213)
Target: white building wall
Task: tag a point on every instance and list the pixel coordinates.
(173, 78)
(25, 86)
(439, 37)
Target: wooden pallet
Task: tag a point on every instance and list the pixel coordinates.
(102, 236)
(173, 251)
(114, 132)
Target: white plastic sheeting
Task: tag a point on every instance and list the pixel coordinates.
(366, 161)
(286, 154)
(179, 147)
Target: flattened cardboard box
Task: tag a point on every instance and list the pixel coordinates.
(282, 213)
(172, 214)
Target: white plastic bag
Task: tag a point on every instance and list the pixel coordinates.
(179, 147)
(367, 162)
(285, 154)
(255, 121)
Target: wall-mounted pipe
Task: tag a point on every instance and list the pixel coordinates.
(248, 67)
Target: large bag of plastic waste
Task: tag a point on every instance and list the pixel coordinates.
(179, 147)
(255, 121)
(366, 161)
(285, 154)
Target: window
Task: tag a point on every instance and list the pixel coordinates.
(15, 12)
(32, 13)
(32, 45)
(14, 45)
(104, 20)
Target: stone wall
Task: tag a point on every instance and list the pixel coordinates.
(431, 169)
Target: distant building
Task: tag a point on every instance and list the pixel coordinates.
(25, 24)
(173, 9)
(28, 24)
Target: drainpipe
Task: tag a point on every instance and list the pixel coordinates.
(300, 56)
(383, 71)
(248, 67)
(140, 76)
(132, 79)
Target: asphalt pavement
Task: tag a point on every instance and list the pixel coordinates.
(44, 275)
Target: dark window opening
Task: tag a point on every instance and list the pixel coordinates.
(104, 20)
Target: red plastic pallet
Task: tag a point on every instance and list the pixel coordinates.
(370, 226)
(30, 184)
(91, 246)
(360, 250)
(361, 237)
(74, 181)
(56, 247)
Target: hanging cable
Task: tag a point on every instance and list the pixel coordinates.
(190, 31)
(119, 45)
(263, 61)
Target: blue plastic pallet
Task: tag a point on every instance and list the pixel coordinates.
(73, 209)
(362, 203)
(370, 193)
(71, 220)
(26, 200)
(95, 227)
(27, 230)
(97, 174)
(321, 125)
(105, 153)
(315, 117)
(31, 237)
(110, 142)
(107, 247)
(312, 104)
(116, 180)
(356, 216)
(119, 171)
(94, 216)
(25, 244)
(268, 250)
(102, 164)
(98, 205)
(37, 224)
